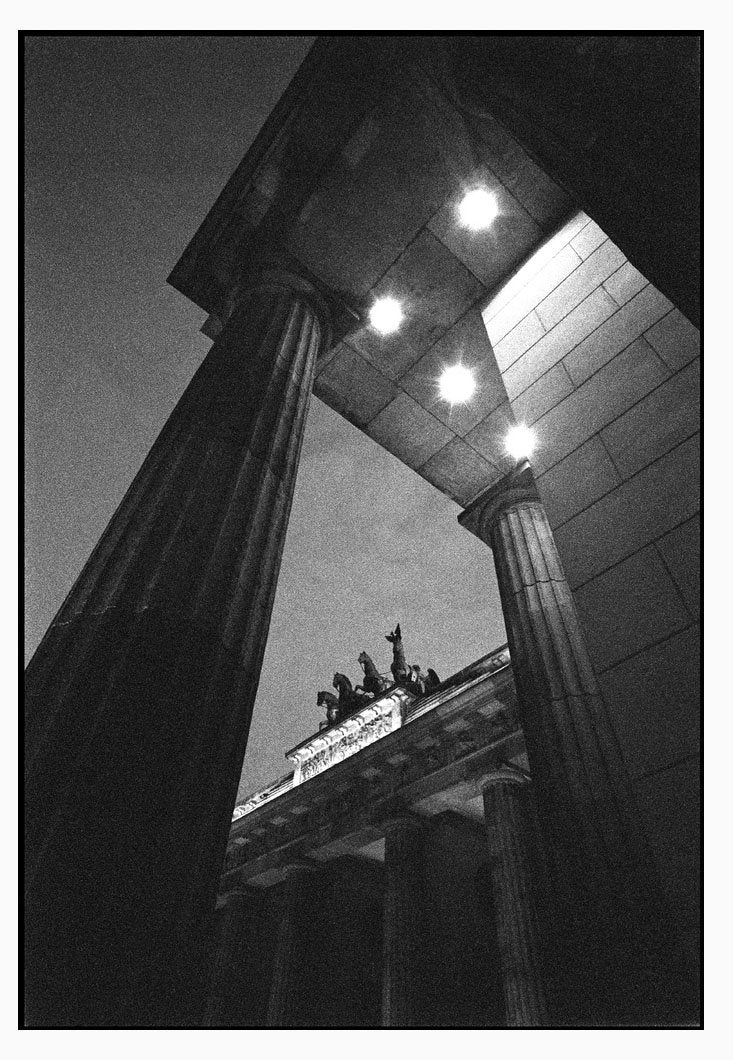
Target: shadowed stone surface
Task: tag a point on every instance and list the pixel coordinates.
(403, 925)
(141, 693)
(286, 969)
(233, 981)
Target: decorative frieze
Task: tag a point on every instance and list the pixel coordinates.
(382, 716)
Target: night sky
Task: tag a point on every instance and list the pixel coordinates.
(129, 140)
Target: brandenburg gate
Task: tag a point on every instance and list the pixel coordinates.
(403, 209)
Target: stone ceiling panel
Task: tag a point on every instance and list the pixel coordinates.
(353, 387)
(543, 199)
(488, 438)
(466, 342)
(459, 471)
(435, 289)
(409, 431)
(385, 185)
(492, 253)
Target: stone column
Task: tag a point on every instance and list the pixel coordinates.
(613, 938)
(286, 969)
(403, 924)
(228, 992)
(140, 695)
(514, 877)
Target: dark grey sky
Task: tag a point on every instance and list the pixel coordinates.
(129, 140)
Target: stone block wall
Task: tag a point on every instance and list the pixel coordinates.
(606, 370)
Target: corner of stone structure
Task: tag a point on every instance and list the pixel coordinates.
(519, 484)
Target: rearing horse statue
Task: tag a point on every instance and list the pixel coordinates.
(374, 683)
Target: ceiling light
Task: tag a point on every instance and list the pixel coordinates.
(386, 315)
(477, 209)
(520, 442)
(457, 384)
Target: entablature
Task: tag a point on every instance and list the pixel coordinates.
(433, 760)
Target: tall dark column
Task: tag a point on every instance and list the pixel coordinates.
(286, 969)
(618, 946)
(140, 695)
(227, 1003)
(403, 924)
(514, 876)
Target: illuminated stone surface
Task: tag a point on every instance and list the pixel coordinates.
(348, 736)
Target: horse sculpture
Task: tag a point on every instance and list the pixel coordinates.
(349, 699)
(374, 684)
(331, 703)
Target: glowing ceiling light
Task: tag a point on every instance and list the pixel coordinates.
(457, 384)
(477, 209)
(520, 442)
(386, 315)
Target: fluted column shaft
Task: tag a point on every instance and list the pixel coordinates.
(612, 934)
(286, 969)
(514, 877)
(140, 695)
(227, 1002)
(403, 925)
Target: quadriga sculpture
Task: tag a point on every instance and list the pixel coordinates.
(351, 699)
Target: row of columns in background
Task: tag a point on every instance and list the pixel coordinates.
(514, 859)
(141, 695)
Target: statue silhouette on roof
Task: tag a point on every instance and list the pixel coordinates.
(410, 677)
(352, 698)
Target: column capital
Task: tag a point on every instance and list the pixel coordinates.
(238, 895)
(298, 867)
(273, 276)
(396, 815)
(403, 821)
(506, 774)
(518, 487)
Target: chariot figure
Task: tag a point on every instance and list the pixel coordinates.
(410, 677)
(400, 669)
